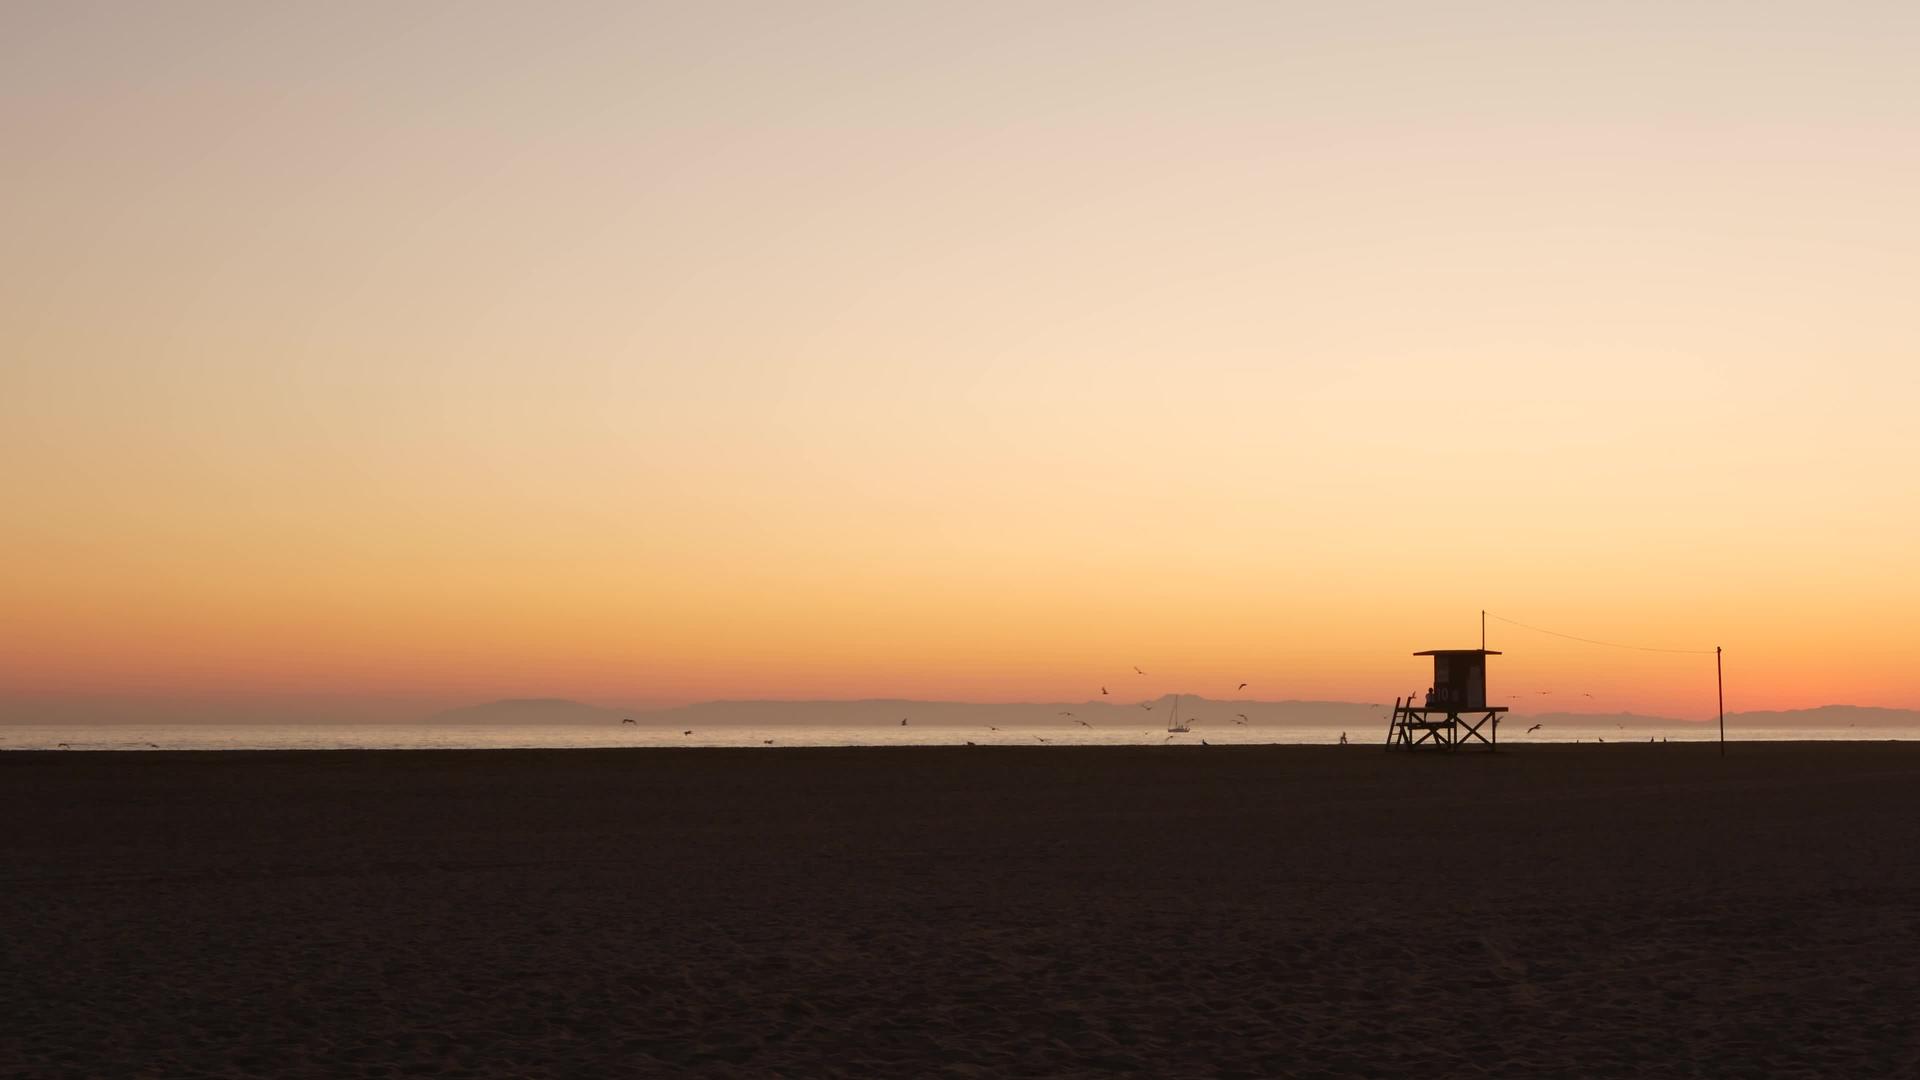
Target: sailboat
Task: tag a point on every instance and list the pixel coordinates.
(1175, 725)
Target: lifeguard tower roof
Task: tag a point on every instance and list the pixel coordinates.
(1459, 652)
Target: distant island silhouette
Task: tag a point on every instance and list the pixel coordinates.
(1116, 713)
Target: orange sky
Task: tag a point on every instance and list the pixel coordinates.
(642, 353)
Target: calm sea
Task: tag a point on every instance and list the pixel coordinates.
(308, 736)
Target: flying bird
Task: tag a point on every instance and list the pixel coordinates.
(1137, 671)
(626, 719)
(64, 746)
(766, 742)
(1147, 705)
(1083, 723)
(1041, 738)
(1242, 716)
(903, 721)
(1242, 686)
(990, 727)
(689, 731)
(1065, 713)
(1533, 729)
(1103, 691)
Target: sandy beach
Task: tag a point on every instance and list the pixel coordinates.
(1236, 912)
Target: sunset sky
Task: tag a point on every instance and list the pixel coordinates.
(367, 359)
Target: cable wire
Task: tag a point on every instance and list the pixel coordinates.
(1593, 641)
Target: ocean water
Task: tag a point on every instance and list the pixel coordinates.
(389, 736)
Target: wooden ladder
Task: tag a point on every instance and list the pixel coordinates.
(1393, 724)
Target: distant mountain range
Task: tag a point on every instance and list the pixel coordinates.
(1356, 718)
(528, 711)
(888, 712)
(1830, 716)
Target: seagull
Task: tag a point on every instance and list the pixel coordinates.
(1242, 716)
(990, 727)
(153, 746)
(1137, 671)
(903, 721)
(1083, 723)
(766, 742)
(626, 719)
(1147, 705)
(1167, 739)
(1242, 686)
(689, 731)
(64, 746)
(969, 742)
(1041, 738)
(1203, 742)
(1533, 729)
(1065, 713)
(1103, 691)
(1597, 738)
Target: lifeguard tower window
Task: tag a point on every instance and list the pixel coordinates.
(1459, 678)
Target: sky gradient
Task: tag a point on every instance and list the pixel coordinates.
(376, 359)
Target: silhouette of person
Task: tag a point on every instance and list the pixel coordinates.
(1343, 738)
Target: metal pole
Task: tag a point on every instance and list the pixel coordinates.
(1720, 684)
(1483, 629)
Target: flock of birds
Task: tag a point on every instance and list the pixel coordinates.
(1240, 719)
(1104, 692)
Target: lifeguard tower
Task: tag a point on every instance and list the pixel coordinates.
(1444, 717)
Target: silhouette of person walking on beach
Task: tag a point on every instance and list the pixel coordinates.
(1343, 738)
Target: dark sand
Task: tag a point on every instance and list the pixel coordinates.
(1289, 911)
